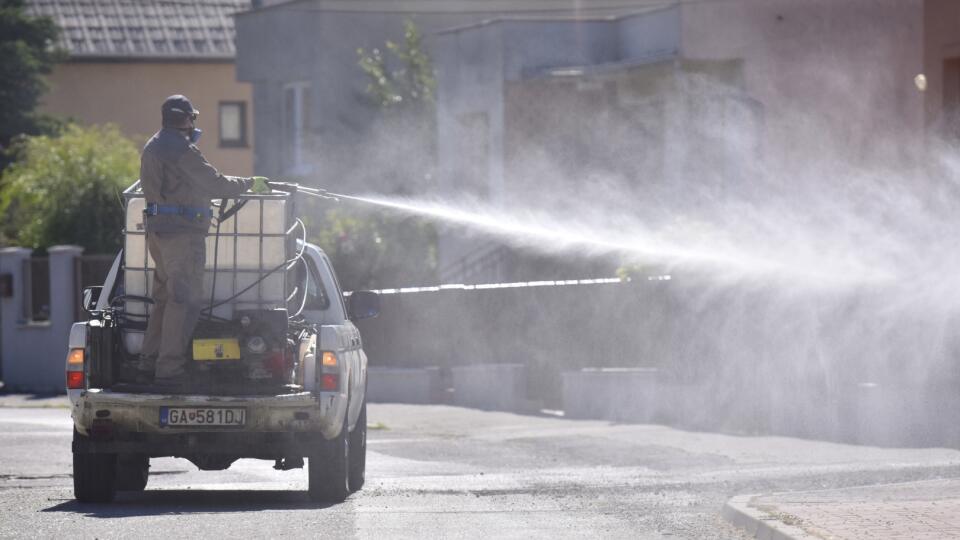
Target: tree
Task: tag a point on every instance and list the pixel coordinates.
(373, 248)
(65, 188)
(401, 142)
(27, 52)
(409, 85)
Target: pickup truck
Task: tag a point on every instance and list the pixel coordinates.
(274, 384)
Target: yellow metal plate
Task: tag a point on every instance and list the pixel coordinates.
(216, 349)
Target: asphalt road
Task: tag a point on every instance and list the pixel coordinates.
(436, 471)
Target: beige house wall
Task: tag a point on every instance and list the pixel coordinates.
(129, 94)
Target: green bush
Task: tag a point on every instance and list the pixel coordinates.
(378, 250)
(65, 188)
(373, 248)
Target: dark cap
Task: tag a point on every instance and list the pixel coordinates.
(176, 108)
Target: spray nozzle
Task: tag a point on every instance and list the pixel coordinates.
(288, 187)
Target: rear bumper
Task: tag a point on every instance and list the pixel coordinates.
(275, 425)
(258, 445)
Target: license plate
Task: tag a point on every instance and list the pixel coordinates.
(203, 416)
(216, 349)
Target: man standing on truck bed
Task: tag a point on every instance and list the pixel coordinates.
(178, 184)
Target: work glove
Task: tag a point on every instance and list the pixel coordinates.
(260, 185)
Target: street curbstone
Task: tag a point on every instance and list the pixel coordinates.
(760, 523)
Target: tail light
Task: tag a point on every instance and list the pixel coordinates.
(329, 372)
(329, 359)
(329, 382)
(75, 379)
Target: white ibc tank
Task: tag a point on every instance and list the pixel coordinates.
(251, 245)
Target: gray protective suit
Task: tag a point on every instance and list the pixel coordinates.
(173, 172)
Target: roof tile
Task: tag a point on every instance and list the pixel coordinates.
(144, 28)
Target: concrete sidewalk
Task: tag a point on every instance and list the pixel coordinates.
(31, 401)
(914, 510)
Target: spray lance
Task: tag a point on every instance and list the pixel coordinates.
(312, 192)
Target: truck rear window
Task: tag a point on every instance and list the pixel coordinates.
(317, 297)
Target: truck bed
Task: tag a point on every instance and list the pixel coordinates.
(219, 389)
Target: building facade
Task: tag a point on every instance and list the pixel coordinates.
(125, 58)
(655, 91)
(314, 116)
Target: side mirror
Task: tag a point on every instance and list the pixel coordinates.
(363, 305)
(91, 295)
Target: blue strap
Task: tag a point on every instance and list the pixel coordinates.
(154, 209)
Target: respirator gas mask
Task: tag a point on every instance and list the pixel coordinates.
(192, 132)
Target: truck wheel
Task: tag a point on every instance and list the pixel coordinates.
(133, 470)
(329, 469)
(94, 476)
(358, 450)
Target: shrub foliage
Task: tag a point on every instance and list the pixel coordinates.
(65, 188)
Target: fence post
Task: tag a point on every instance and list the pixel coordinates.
(63, 285)
(11, 308)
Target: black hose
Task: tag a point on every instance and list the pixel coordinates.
(303, 301)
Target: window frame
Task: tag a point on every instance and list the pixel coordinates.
(242, 142)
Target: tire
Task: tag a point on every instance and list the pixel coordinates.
(328, 470)
(94, 476)
(358, 450)
(133, 471)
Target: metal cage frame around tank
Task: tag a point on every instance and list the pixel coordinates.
(260, 271)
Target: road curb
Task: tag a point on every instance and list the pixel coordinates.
(759, 523)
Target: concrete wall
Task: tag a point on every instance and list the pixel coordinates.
(33, 353)
(494, 387)
(862, 412)
(478, 65)
(129, 94)
(822, 67)
(404, 385)
(654, 34)
(303, 42)
(741, 359)
(818, 69)
(530, 47)
(619, 394)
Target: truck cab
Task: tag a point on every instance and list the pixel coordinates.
(279, 378)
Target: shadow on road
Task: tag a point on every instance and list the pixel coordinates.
(192, 501)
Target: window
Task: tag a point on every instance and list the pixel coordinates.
(317, 298)
(296, 118)
(233, 124)
(316, 295)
